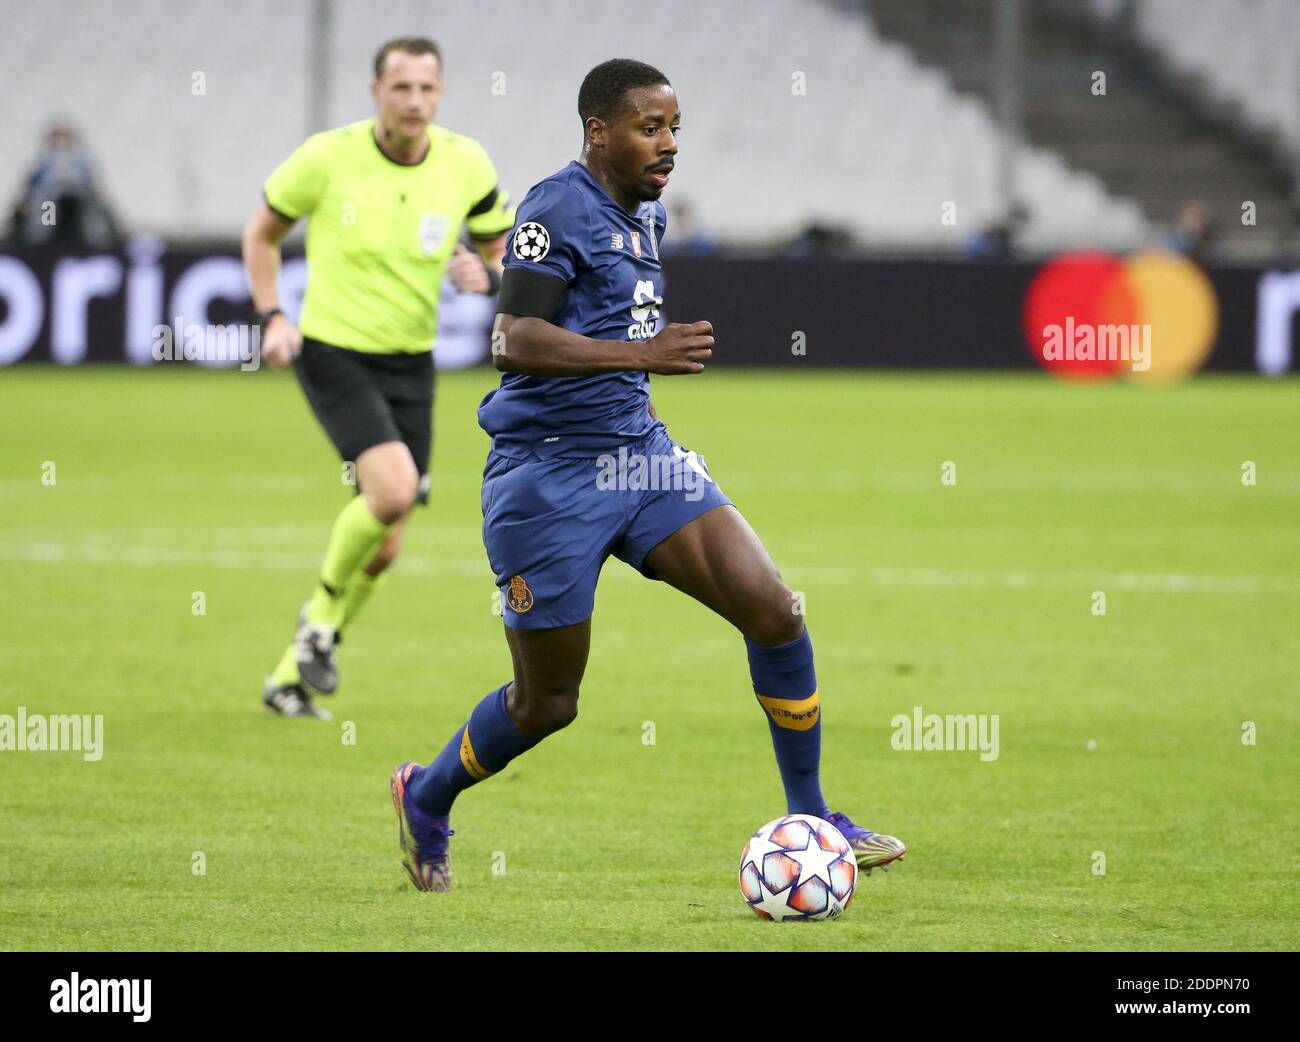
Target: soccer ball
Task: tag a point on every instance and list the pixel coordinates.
(798, 867)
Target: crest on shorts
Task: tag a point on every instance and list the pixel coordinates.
(519, 596)
(433, 230)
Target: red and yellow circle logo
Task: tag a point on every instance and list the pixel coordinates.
(1152, 317)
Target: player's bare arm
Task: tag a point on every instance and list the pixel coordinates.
(263, 232)
(535, 347)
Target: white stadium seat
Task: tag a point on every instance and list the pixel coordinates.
(876, 141)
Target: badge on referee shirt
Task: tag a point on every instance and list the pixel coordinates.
(433, 230)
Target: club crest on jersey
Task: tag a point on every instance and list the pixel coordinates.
(433, 231)
(531, 241)
(519, 596)
(636, 243)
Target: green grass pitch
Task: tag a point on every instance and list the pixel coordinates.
(1120, 735)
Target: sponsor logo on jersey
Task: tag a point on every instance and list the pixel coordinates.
(645, 309)
(616, 241)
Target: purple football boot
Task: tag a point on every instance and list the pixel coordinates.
(870, 849)
(423, 839)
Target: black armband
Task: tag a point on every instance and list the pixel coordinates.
(494, 280)
(530, 294)
(484, 204)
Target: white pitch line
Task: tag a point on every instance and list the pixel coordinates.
(170, 557)
(919, 479)
(921, 578)
(1140, 582)
(70, 483)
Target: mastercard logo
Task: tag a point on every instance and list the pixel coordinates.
(1152, 317)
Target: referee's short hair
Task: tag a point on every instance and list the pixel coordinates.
(407, 45)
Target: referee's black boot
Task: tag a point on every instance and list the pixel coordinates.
(318, 666)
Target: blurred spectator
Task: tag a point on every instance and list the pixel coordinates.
(820, 240)
(997, 241)
(685, 234)
(1194, 233)
(64, 176)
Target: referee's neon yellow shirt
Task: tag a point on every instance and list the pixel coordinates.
(379, 233)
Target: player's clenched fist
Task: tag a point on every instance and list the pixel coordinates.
(281, 342)
(680, 347)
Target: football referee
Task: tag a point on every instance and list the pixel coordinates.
(386, 200)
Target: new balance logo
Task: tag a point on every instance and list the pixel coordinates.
(616, 240)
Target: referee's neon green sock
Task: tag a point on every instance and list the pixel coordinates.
(286, 672)
(359, 591)
(356, 536)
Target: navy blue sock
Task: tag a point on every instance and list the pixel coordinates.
(786, 687)
(482, 746)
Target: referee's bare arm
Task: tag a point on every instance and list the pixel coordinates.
(469, 271)
(492, 251)
(281, 340)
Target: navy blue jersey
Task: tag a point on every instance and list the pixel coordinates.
(570, 228)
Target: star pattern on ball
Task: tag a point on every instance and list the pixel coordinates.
(776, 905)
(813, 860)
(808, 894)
(759, 847)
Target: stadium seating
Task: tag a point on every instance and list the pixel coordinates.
(782, 126)
(1245, 53)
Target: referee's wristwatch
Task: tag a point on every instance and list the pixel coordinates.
(263, 317)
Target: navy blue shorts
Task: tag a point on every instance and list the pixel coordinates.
(550, 524)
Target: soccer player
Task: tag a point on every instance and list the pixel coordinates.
(576, 336)
(386, 199)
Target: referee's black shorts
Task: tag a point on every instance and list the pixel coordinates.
(363, 399)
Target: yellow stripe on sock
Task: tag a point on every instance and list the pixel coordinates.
(794, 714)
(469, 761)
